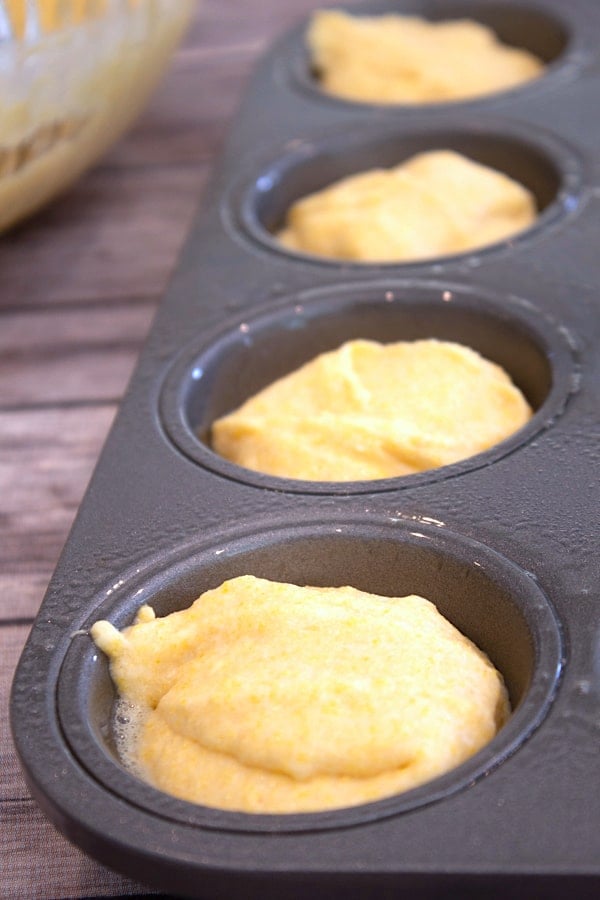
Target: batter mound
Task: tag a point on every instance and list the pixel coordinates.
(406, 59)
(268, 697)
(435, 204)
(370, 410)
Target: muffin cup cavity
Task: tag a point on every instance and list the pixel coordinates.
(541, 164)
(213, 378)
(544, 33)
(487, 597)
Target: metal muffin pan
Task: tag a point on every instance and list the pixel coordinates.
(505, 542)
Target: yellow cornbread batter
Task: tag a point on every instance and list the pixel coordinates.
(406, 59)
(434, 204)
(370, 410)
(268, 697)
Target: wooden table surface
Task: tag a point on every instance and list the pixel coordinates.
(79, 285)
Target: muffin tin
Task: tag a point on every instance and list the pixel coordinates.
(505, 542)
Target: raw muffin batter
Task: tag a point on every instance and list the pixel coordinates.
(268, 697)
(67, 94)
(434, 204)
(370, 410)
(405, 59)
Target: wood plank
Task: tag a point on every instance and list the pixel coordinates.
(47, 459)
(43, 864)
(70, 355)
(24, 581)
(79, 285)
(176, 129)
(220, 23)
(12, 784)
(119, 237)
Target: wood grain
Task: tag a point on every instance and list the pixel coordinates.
(79, 285)
(45, 865)
(47, 459)
(120, 233)
(81, 355)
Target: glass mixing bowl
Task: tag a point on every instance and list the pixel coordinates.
(73, 75)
